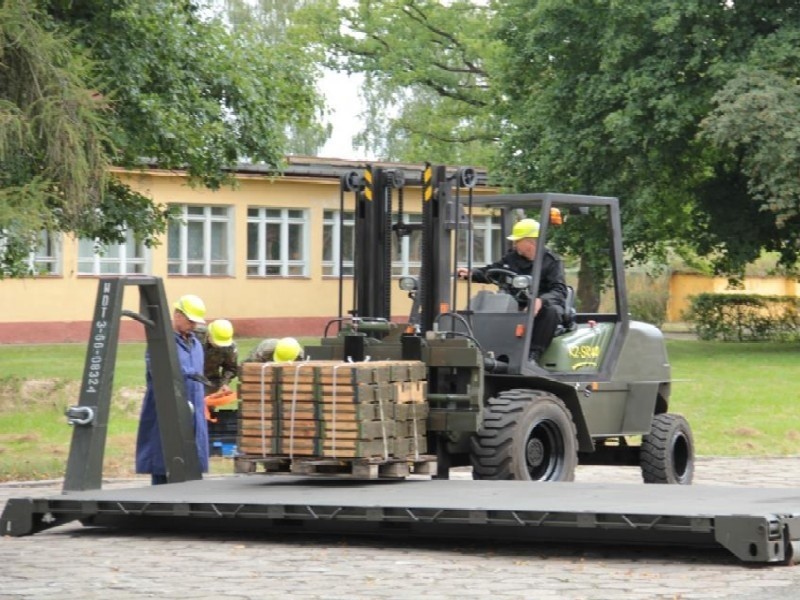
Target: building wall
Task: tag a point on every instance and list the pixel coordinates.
(684, 285)
(58, 308)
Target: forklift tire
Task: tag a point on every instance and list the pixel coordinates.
(527, 435)
(667, 452)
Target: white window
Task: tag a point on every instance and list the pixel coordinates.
(199, 241)
(127, 258)
(407, 250)
(487, 243)
(277, 242)
(44, 257)
(338, 234)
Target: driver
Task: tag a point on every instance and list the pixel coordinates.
(552, 295)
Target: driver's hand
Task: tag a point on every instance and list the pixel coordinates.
(537, 306)
(462, 272)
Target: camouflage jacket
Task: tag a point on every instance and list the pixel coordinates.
(221, 365)
(262, 352)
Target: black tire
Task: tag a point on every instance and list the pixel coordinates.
(667, 452)
(528, 435)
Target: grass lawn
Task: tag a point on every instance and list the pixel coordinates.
(738, 398)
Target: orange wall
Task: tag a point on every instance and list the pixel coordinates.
(684, 285)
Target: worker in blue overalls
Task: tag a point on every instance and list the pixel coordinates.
(189, 312)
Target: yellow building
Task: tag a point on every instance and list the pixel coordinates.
(263, 255)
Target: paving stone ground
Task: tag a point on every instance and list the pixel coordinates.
(75, 562)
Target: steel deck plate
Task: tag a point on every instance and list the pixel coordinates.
(685, 501)
(755, 524)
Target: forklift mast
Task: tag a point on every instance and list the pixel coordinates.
(442, 219)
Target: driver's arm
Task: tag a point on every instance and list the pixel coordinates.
(478, 274)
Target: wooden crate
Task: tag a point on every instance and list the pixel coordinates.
(333, 410)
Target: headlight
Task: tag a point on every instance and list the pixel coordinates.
(408, 283)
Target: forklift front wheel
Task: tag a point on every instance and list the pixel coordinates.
(528, 435)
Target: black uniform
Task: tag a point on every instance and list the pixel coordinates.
(552, 292)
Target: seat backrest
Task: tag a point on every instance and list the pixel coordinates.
(568, 320)
(488, 301)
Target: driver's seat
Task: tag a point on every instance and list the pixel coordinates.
(568, 322)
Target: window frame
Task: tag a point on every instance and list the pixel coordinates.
(330, 268)
(207, 263)
(98, 260)
(285, 264)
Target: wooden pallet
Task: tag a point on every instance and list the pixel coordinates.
(334, 410)
(358, 468)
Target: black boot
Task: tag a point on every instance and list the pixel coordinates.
(536, 354)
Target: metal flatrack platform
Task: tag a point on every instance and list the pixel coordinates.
(755, 524)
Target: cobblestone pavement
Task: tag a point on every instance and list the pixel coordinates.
(74, 562)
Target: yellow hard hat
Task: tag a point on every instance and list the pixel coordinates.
(526, 228)
(287, 350)
(220, 332)
(193, 307)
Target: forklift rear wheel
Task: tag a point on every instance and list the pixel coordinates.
(528, 435)
(667, 452)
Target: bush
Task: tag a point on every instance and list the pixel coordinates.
(647, 298)
(744, 317)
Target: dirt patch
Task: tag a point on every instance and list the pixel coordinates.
(17, 438)
(746, 432)
(17, 393)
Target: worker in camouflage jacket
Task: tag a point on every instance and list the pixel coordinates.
(221, 355)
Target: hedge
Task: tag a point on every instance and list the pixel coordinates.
(744, 317)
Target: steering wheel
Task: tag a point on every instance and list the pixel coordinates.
(500, 277)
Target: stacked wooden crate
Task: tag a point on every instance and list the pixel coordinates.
(332, 409)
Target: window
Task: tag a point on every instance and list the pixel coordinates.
(407, 250)
(337, 234)
(199, 242)
(487, 243)
(277, 242)
(44, 257)
(127, 258)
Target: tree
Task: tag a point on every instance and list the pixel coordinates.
(300, 107)
(427, 69)
(653, 101)
(90, 83)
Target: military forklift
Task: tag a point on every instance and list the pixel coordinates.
(602, 385)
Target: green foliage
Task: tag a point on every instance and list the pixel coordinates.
(53, 140)
(610, 98)
(88, 83)
(744, 317)
(648, 297)
(428, 68)
(297, 64)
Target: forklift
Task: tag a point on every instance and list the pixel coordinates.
(600, 393)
